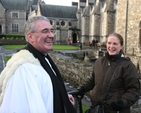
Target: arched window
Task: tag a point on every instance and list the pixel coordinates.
(69, 23)
(51, 22)
(63, 23)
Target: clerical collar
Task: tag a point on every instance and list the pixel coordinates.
(45, 54)
(50, 65)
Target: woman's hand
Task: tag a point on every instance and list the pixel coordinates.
(71, 98)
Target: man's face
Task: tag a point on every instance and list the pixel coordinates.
(113, 45)
(42, 38)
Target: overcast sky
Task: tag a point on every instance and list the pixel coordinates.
(60, 2)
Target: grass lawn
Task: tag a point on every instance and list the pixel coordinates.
(84, 108)
(6, 58)
(13, 46)
(55, 47)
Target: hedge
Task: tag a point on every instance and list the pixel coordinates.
(9, 36)
(6, 39)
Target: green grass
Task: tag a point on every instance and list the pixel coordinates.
(84, 108)
(12, 47)
(64, 47)
(55, 47)
(6, 58)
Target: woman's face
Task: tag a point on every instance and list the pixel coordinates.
(113, 45)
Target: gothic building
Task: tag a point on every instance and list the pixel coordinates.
(12, 16)
(83, 21)
(98, 18)
(62, 18)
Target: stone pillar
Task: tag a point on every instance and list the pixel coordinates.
(69, 33)
(57, 36)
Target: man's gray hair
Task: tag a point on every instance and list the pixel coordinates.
(30, 24)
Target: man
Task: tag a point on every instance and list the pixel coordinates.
(30, 82)
(69, 41)
(93, 43)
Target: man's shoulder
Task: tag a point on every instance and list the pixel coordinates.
(23, 56)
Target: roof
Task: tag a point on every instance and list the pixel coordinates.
(14, 4)
(86, 11)
(57, 11)
(34, 7)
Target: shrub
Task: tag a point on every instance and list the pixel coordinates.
(13, 36)
(6, 39)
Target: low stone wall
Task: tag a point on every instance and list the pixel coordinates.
(76, 71)
(72, 70)
(12, 41)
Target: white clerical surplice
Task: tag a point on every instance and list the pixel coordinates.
(28, 90)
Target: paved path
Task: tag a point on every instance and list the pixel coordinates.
(1, 63)
(1, 60)
(2, 53)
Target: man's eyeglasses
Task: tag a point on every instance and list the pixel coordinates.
(47, 31)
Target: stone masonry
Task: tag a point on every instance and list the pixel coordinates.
(128, 24)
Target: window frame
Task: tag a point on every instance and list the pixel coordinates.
(15, 27)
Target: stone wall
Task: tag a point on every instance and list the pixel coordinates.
(71, 69)
(10, 20)
(76, 70)
(2, 19)
(128, 18)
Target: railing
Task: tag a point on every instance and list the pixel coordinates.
(78, 100)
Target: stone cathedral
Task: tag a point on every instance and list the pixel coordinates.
(95, 19)
(98, 18)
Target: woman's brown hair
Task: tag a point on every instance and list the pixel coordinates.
(119, 37)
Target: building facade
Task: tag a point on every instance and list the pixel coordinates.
(62, 18)
(98, 18)
(82, 22)
(12, 16)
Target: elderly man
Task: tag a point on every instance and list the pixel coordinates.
(31, 82)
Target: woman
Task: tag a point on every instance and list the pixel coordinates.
(125, 86)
